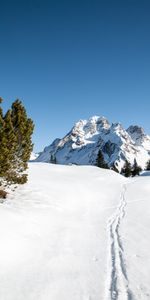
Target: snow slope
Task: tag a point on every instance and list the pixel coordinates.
(136, 236)
(81, 145)
(73, 233)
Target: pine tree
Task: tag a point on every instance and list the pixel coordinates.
(15, 143)
(114, 168)
(136, 169)
(1, 140)
(53, 159)
(1, 111)
(148, 165)
(23, 129)
(100, 162)
(127, 169)
(8, 144)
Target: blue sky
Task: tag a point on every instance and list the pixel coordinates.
(68, 60)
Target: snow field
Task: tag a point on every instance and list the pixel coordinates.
(53, 233)
(76, 233)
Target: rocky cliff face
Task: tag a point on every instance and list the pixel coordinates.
(82, 143)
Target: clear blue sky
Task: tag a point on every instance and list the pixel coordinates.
(72, 59)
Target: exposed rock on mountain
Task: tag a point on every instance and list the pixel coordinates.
(81, 145)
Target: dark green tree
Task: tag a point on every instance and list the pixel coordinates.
(100, 162)
(2, 142)
(1, 111)
(15, 143)
(148, 165)
(127, 169)
(23, 129)
(53, 159)
(136, 169)
(8, 145)
(114, 168)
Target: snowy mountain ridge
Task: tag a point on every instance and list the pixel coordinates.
(81, 145)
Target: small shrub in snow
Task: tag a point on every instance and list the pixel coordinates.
(3, 194)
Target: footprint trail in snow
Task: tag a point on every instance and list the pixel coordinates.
(118, 284)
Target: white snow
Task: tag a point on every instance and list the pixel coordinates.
(75, 233)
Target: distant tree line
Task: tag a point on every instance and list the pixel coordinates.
(127, 170)
(15, 143)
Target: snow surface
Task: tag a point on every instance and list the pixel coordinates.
(75, 233)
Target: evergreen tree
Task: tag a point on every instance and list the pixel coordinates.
(8, 145)
(23, 129)
(136, 169)
(53, 159)
(126, 170)
(114, 168)
(15, 143)
(1, 112)
(100, 162)
(1, 140)
(148, 165)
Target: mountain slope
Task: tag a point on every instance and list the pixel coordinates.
(76, 233)
(82, 143)
(53, 233)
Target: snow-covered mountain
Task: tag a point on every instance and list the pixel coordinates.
(81, 145)
(33, 156)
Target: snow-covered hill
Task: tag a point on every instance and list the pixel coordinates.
(77, 233)
(80, 146)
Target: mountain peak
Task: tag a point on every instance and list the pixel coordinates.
(135, 129)
(99, 121)
(137, 134)
(82, 143)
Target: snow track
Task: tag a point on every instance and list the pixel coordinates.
(118, 283)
